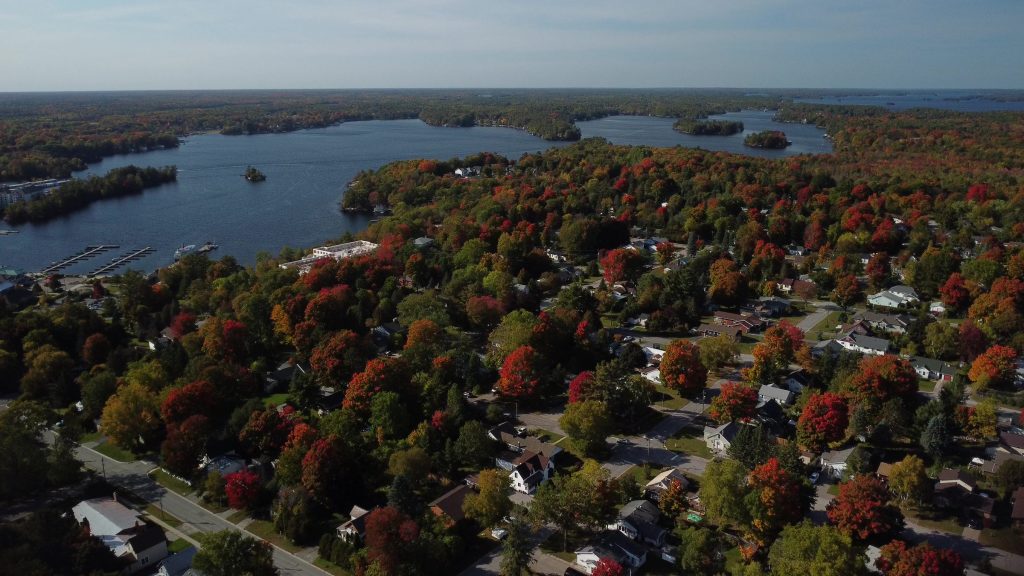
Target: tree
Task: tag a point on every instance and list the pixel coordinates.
(718, 351)
(822, 421)
(484, 311)
(698, 550)
(23, 455)
(488, 506)
(520, 374)
(736, 401)
(941, 341)
(514, 331)
(936, 436)
(389, 535)
(380, 375)
(621, 264)
(230, 553)
(335, 359)
(847, 290)
(722, 492)
(781, 346)
(48, 375)
(580, 387)
(672, 501)
(864, 509)
(1009, 476)
(728, 284)
(95, 349)
(185, 445)
(774, 499)
(473, 447)
(131, 418)
(388, 416)
(242, 489)
(808, 550)
(426, 305)
(898, 559)
(752, 446)
(328, 474)
(581, 500)
(608, 567)
(413, 463)
(981, 424)
(587, 424)
(181, 403)
(954, 292)
(682, 369)
(265, 432)
(908, 481)
(995, 368)
(881, 378)
(516, 550)
(294, 516)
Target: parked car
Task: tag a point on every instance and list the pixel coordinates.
(814, 477)
(499, 533)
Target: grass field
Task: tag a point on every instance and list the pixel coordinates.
(170, 482)
(691, 441)
(265, 530)
(177, 546)
(155, 511)
(669, 399)
(111, 451)
(1009, 539)
(330, 567)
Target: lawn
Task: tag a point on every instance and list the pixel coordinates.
(265, 529)
(330, 567)
(545, 435)
(553, 545)
(642, 474)
(827, 325)
(178, 545)
(926, 386)
(276, 399)
(237, 516)
(90, 437)
(1009, 539)
(934, 521)
(155, 511)
(170, 482)
(669, 399)
(691, 441)
(111, 451)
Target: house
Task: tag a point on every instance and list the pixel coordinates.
(651, 374)
(638, 520)
(895, 297)
(611, 544)
(423, 242)
(864, 344)
(712, 330)
(833, 462)
(957, 490)
(884, 470)
(827, 347)
(931, 369)
(662, 481)
(897, 323)
(225, 464)
(281, 377)
(654, 355)
(337, 252)
(139, 544)
(719, 438)
(507, 434)
(771, 392)
(384, 336)
(448, 506)
(937, 309)
(179, 564)
(802, 288)
(772, 415)
(797, 380)
(772, 306)
(1017, 512)
(955, 479)
(1001, 457)
(1012, 443)
(529, 471)
(747, 323)
(355, 528)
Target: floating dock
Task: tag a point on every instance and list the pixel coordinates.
(85, 254)
(122, 260)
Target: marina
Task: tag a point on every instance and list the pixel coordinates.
(85, 254)
(122, 260)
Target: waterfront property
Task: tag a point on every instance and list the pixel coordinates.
(337, 252)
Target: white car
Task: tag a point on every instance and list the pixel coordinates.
(499, 533)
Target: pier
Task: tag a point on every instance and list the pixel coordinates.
(122, 260)
(85, 254)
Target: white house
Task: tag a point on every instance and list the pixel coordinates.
(614, 545)
(353, 530)
(719, 438)
(336, 252)
(833, 462)
(771, 392)
(931, 369)
(651, 374)
(179, 564)
(895, 297)
(654, 355)
(864, 344)
(530, 470)
(123, 531)
(638, 520)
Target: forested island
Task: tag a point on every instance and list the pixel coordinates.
(708, 127)
(770, 139)
(253, 174)
(77, 194)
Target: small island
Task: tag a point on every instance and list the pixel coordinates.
(771, 139)
(708, 127)
(252, 174)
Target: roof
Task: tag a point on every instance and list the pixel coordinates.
(356, 522)
(932, 365)
(1012, 440)
(733, 331)
(884, 469)
(106, 516)
(951, 476)
(177, 564)
(616, 540)
(992, 466)
(879, 318)
(800, 377)
(145, 537)
(729, 430)
(666, 477)
(641, 509)
(770, 392)
(869, 342)
(450, 503)
(904, 291)
(838, 456)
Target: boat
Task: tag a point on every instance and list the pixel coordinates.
(208, 247)
(184, 250)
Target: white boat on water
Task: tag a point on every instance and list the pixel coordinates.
(184, 250)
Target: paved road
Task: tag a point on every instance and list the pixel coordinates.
(134, 476)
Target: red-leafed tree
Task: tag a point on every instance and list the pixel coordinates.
(242, 489)
(194, 398)
(972, 340)
(183, 323)
(234, 340)
(265, 432)
(864, 509)
(95, 349)
(184, 445)
(329, 473)
(847, 290)
(520, 374)
(337, 358)
(681, 368)
(380, 375)
(327, 308)
(898, 559)
(389, 536)
(608, 567)
(621, 264)
(954, 292)
(882, 378)
(302, 434)
(736, 401)
(581, 387)
(484, 311)
(823, 420)
(774, 499)
(878, 269)
(995, 368)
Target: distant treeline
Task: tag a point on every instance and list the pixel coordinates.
(773, 139)
(78, 194)
(708, 127)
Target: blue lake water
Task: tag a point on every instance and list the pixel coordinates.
(957, 100)
(307, 172)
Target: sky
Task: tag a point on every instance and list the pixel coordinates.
(48, 45)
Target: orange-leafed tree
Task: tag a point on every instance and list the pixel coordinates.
(736, 401)
(864, 509)
(682, 369)
(995, 368)
(882, 378)
(783, 344)
(898, 559)
(774, 499)
(520, 374)
(380, 375)
(822, 421)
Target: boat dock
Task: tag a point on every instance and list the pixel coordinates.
(85, 254)
(122, 260)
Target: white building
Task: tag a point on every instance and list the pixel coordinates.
(122, 529)
(895, 297)
(337, 252)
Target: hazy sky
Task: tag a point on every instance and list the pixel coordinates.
(191, 44)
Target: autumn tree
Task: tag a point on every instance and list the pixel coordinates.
(907, 480)
(194, 398)
(242, 489)
(328, 474)
(608, 567)
(587, 424)
(774, 500)
(520, 374)
(718, 351)
(682, 369)
(882, 378)
(955, 293)
(621, 264)
(580, 387)
(899, 559)
(722, 492)
(822, 421)
(808, 550)
(389, 537)
(847, 290)
(514, 331)
(232, 553)
(735, 401)
(864, 509)
(491, 503)
(995, 368)
(131, 417)
(672, 501)
(782, 345)
(185, 444)
(484, 311)
(379, 375)
(265, 432)
(338, 357)
(95, 349)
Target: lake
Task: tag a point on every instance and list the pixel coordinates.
(957, 100)
(307, 172)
